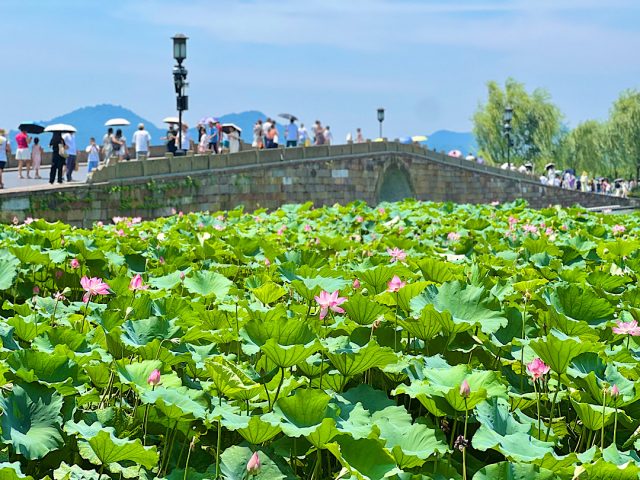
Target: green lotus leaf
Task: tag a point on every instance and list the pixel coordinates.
(269, 293)
(302, 413)
(467, 304)
(46, 368)
(8, 271)
(258, 431)
(106, 449)
(351, 359)
(138, 333)
(137, 374)
(177, 402)
(206, 283)
(365, 458)
(227, 379)
(593, 416)
(285, 331)
(12, 471)
(31, 420)
(514, 471)
(376, 278)
(611, 454)
(234, 465)
(606, 281)
(580, 303)
(286, 356)
(74, 472)
(363, 310)
(437, 271)
(352, 419)
(168, 282)
(603, 470)
(411, 446)
(557, 349)
(428, 324)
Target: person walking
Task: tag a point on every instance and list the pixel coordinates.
(5, 153)
(272, 137)
(93, 155)
(70, 141)
(303, 136)
(318, 132)
(292, 133)
(266, 127)
(234, 141)
(107, 146)
(186, 139)
(328, 136)
(257, 135)
(170, 140)
(22, 153)
(58, 156)
(142, 140)
(123, 151)
(36, 157)
(203, 139)
(359, 136)
(214, 136)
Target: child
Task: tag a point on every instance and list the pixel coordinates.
(93, 157)
(36, 156)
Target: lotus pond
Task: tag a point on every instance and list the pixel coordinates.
(409, 341)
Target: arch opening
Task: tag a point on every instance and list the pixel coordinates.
(395, 186)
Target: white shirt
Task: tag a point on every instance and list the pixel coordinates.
(266, 126)
(302, 132)
(186, 140)
(70, 142)
(3, 149)
(94, 153)
(141, 139)
(328, 136)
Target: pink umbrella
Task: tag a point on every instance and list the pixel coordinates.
(455, 153)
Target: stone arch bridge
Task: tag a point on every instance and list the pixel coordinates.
(372, 172)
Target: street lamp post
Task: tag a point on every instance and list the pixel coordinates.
(180, 82)
(507, 118)
(381, 119)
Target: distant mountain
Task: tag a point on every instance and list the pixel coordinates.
(89, 121)
(447, 140)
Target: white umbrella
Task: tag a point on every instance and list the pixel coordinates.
(117, 122)
(230, 127)
(171, 120)
(60, 127)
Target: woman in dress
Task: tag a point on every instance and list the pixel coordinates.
(36, 156)
(234, 141)
(123, 153)
(203, 144)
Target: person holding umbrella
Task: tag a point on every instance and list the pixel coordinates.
(58, 156)
(22, 153)
(292, 133)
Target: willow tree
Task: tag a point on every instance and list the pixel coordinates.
(624, 132)
(536, 126)
(588, 148)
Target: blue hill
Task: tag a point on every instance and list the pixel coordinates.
(89, 121)
(447, 140)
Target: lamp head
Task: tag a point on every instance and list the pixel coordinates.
(179, 47)
(508, 114)
(381, 114)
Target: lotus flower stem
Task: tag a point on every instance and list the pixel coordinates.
(395, 324)
(523, 371)
(615, 422)
(604, 402)
(192, 445)
(464, 448)
(553, 404)
(280, 386)
(538, 407)
(218, 443)
(144, 424)
(266, 390)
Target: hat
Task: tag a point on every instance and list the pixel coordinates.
(140, 126)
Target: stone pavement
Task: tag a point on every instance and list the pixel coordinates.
(12, 182)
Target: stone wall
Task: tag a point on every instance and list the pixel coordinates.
(270, 178)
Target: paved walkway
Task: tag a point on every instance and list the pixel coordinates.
(13, 182)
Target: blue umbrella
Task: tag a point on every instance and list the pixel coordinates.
(405, 140)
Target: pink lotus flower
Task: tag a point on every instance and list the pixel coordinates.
(359, 219)
(307, 228)
(549, 231)
(100, 224)
(121, 233)
(135, 220)
(218, 227)
(154, 378)
(161, 260)
(281, 230)
(59, 296)
(267, 262)
(530, 228)
(614, 391)
(627, 328)
(618, 229)
(161, 237)
(93, 286)
(381, 211)
(137, 283)
(253, 465)
(453, 236)
(329, 301)
(513, 220)
(465, 389)
(397, 254)
(181, 275)
(495, 203)
(395, 284)
(537, 368)
(36, 290)
(356, 284)
(28, 220)
(74, 263)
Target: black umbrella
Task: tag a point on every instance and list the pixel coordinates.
(288, 116)
(31, 127)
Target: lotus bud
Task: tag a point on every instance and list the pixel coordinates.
(614, 391)
(36, 290)
(253, 465)
(356, 284)
(154, 378)
(181, 275)
(465, 389)
(75, 263)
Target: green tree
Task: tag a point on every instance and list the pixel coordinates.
(587, 148)
(624, 131)
(536, 126)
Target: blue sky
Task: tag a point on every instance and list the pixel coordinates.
(427, 62)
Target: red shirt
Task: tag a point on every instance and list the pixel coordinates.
(21, 140)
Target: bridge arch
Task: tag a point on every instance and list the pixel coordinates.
(394, 183)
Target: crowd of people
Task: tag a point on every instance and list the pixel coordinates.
(265, 134)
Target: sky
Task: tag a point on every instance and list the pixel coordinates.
(426, 62)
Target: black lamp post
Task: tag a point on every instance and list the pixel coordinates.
(180, 82)
(507, 117)
(381, 119)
